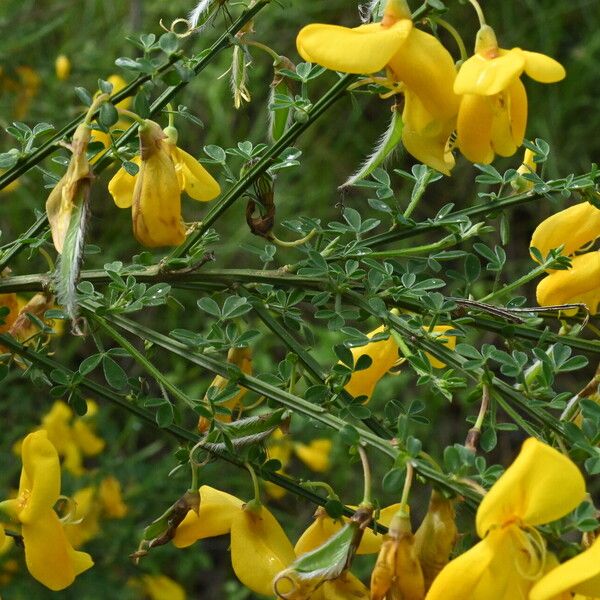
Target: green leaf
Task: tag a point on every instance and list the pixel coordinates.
(115, 376)
(235, 306)
(210, 306)
(89, 363)
(164, 415)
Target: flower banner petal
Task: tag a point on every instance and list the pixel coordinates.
(365, 49)
(540, 486)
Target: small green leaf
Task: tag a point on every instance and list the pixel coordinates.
(115, 376)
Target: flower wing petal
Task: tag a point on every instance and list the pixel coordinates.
(572, 228)
(474, 128)
(580, 574)
(259, 549)
(157, 203)
(122, 184)
(365, 49)
(49, 556)
(580, 283)
(542, 68)
(197, 182)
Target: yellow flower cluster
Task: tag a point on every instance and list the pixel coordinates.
(484, 102)
(511, 560)
(572, 229)
(72, 436)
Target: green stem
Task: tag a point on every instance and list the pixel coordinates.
(255, 484)
(539, 270)
(48, 365)
(407, 484)
(417, 194)
(236, 191)
(554, 186)
(140, 359)
(366, 475)
(282, 397)
(219, 279)
(475, 4)
(457, 37)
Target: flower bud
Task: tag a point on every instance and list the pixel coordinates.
(62, 67)
(436, 536)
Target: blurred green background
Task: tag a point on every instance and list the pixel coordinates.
(92, 34)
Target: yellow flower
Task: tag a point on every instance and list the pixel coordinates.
(572, 228)
(315, 455)
(493, 109)
(84, 524)
(161, 587)
(436, 537)
(259, 546)
(398, 572)
(414, 59)
(62, 67)
(72, 188)
(154, 193)
(91, 504)
(324, 527)
(384, 356)
(213, 519)
(111, 500)
(580, 575)
(72, 436)
(49, 556)
(242, 358)
(541, 485)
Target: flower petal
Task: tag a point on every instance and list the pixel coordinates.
(157, 203)
(424, 137)
(580, 283)
(487, 77)
(580, 574)
(193, 177)
(517, 102)
(364, 49)
(121, 186)
(315, 454)
(540, 486)
(383, 354)
(40, 477)
(448, 340)
(259, 549)
(428, 71)
(572, 228)
(542, 68)
(345, 587)
(491, 569)
(217, 509)
(161, 587)
(474, 128)
(49, 556)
